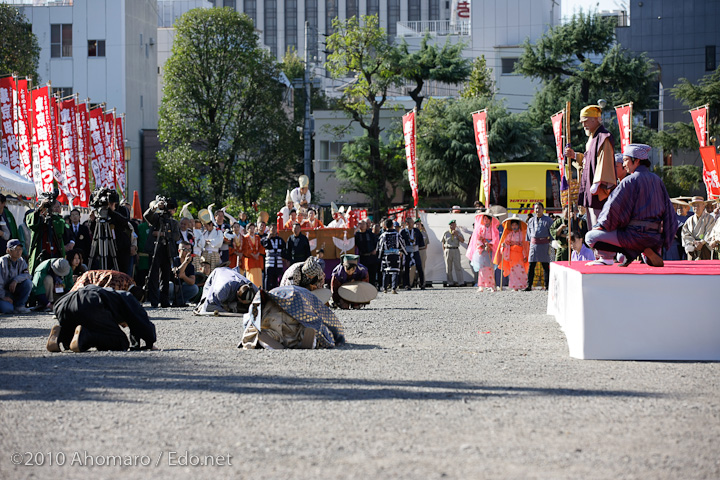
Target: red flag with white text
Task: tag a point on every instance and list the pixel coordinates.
(557, 126)
(120, 156)
(711, 176)
(9, 150)
(83, 157)
(97, 146)
(43, 139)
(67, 130)
(110, 149)
(699, 117)
(408, 121)
(22, 128)
(624, 117)
(481, 141)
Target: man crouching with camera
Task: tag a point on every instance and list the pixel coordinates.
(164, 235)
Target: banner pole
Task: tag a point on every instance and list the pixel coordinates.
(569, 202)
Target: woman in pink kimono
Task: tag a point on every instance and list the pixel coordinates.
(512, 256)
(483, 245)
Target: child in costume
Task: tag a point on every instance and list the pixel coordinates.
(512, 256)
(483, 246)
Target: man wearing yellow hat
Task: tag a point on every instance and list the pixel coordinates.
(598, 172)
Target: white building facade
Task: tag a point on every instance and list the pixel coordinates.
(104, 50)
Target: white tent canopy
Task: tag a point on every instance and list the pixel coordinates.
(12, 183)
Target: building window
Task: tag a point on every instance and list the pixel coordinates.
(373, 7)
(96, 48)
(311, 16)
(329, 155)
(250, 8)
(508, 66)
(331, 13)
(351, 9)
(229, 3)
(271, 26)
(61, 40)
(393, 7)
(62, 92)
(291, 26)
(710, 64)
(434, 12)
(414, 10)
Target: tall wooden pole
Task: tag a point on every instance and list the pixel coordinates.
(568, 170)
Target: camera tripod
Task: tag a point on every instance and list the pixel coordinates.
(103, 245)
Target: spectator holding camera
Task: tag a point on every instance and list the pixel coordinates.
(47, 228)
(164, 235)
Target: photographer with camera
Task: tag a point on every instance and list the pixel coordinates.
(184, 287)
(112, 233)
(47, 228)
(164, 236)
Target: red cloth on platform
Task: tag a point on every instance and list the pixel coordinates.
(683, 267)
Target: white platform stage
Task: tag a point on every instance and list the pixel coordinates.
(638, 312)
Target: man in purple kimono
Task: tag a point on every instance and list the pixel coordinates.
(638, 216)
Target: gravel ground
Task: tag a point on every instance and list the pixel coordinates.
(445, 383)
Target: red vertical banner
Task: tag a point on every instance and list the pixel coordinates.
(624, 118)
(710, 171)
(557, 126)
(58, 171)
(68, 146)
(97, 146)
(699, 117)
(109, 126)
(408, 122)
(22, 128)
(83, 149)
(120, 156)
(481, 141)
(9, 150)
(43, 138)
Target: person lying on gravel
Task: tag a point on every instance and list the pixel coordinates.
(93, 316)
(290, 317)
(226, 290)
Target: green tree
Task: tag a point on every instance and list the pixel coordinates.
(447, 154)
(225, 134)
(681, 135)
(445, 65)
(360, 50)
(480, 83)
(681, 179)
(19, 49)
(580, 62)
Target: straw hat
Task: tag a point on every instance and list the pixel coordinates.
(680, 201)
(323, 294)
(698, 199)
(506, 223)
(357, 292)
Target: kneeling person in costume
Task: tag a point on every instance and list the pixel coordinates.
(93, 316)
(638, 217)
(290, 317)
(226, 291)
(350, 284)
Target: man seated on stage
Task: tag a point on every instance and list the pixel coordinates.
(638, 216)
(109, 278)
(226, 291)
(348, 271)
(92, 317)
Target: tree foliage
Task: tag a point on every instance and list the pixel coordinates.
(360, 49)
(580, 62)
(445, 65)
(19, 49)
(447, 154)
(222, 124)
(681, 135)
(681, 179)
(480, 83)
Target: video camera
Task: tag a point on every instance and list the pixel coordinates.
(46, 201)
(101, 199)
